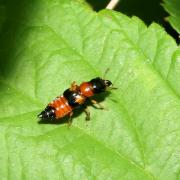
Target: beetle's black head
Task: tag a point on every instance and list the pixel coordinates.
(100, 85)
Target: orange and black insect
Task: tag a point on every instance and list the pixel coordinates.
(74, 97)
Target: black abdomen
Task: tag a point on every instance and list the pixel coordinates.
(48, 113)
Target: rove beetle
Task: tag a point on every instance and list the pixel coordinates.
(74, 97)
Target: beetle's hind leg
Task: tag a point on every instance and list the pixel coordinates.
(70, 119)
(87, 112)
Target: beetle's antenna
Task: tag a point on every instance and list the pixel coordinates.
(111, 88)
(106, 71)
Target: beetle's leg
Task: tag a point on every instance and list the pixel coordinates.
(86, 110)
(94, 102)
(70, 119)
(74, 86)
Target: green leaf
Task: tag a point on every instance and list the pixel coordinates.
(45, 45)
(172, 7)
